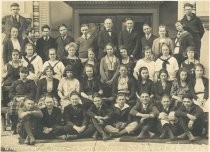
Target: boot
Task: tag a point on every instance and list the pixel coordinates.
(71, 137)
(182, 136)
(105, 136)
(163, 134)
(170, 134)
(190, 136)
(95, 135)
(141, 135)
(32, 140)
(27, 140)
(151, 134)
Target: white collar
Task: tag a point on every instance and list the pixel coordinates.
(124, 107)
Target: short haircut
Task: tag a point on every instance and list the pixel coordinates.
(74, 93)
(188, 96)
(84, 25)
(97, 95)
(62, 25)
(122, 47)
(24, 70)
(14, 5)
(146, 24)
(144, 92)
(45, 26)
(165, 96)
(120, 94)
(28, 30)
(188, 5)
(29, 44)
(128, 18)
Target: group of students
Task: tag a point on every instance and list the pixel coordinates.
(73, 89)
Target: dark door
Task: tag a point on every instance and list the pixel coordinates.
(118, 20)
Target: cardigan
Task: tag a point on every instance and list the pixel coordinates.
(7, 51)
(20, 88)
(206, 86)
(131, 88)
(51, 120)
(138, 108)
(61, 43)
(131, 41)
(103, 39)
(42, 47)
(104, 69)
(156, 46)
(42, 89)
(75, 116)
(194, 26)
(158, 89)
(195, 110)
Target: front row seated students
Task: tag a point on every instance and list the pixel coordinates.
(76, 120)
(190, 117)
(120, 123)
(100, 115)
(28, 126)
(145, 114)
(166, 117)
(51, 121)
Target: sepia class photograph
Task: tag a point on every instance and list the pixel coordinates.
(105, 76)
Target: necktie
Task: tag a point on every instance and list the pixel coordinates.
(15, 18)
(129, 31)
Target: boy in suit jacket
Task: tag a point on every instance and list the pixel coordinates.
(167, 121)
(148, 38)
(62, 41)
(100, 116)
(191, 118)
(29, 117)
(15, 19)
(76, 120)
(51, 120)
(121, 119)
(44, 43)
(145, 114)
(130, 39)
(108, 35)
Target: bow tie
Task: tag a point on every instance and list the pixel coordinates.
(109, 30)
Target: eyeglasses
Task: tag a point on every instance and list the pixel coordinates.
(52, 54)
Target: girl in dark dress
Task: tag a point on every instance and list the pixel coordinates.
(144, 83)
(10, 73)
(47, 86)
(163, 86)
(92, 61)
(73, 60)
(90, 84)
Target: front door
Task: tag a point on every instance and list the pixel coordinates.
(118, 19)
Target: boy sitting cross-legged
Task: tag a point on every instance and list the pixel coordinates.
(145, 113)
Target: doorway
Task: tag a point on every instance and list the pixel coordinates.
(118, 19)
